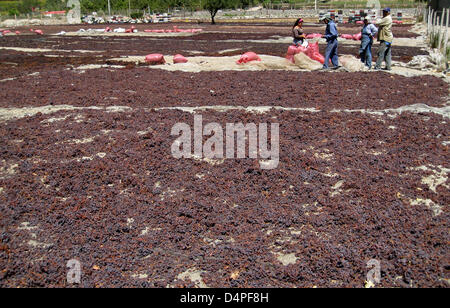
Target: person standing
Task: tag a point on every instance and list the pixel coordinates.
(297, 32)
(385, 37)
(367, 34)
(331, 35)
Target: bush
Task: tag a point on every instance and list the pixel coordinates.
(13, 12)
(434, 40)
(137, 15)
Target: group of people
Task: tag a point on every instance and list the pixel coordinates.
(368, 33)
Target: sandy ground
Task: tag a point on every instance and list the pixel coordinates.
(8, 114)
(208, 64)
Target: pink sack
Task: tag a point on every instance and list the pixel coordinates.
(347, 36)
(108, 29)
(290, 58)
(292, 50)
(6, 32)
(359, 22)
(17, 32)
(155, 58)
(38, 32)
(312, 49)
(179, 59)
(357, 36)
(248, 57)
(314, 35)
(398, 22)
(318, 57)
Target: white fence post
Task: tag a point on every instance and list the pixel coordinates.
(446, 34)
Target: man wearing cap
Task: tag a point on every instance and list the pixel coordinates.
(385, 37)
(367, 34)
(331, 35)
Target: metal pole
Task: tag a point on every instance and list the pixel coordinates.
(109, 8)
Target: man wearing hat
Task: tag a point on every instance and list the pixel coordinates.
(331, 35)
(385, 37)
(367, 34)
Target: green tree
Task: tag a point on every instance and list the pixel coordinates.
(214, 6)
(55, 5)
(27, 6)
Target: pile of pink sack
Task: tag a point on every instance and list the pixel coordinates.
(312, 51)
(313, 36)
(355, 37)
(4, 32)
(174, 30)
(248, 57)
(158, 59)
(38, 32)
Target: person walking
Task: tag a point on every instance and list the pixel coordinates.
(368, 32)
(331, 35)
(385, 37)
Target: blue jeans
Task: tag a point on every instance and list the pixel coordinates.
(365, 51)
(298, 42)
(331, 53)
(384, 54)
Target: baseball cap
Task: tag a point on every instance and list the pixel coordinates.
(388, 9)
(326, 16)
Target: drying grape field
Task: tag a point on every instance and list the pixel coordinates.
(87, 173)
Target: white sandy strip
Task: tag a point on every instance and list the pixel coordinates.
(401, 41)
(48, 50)
(251, 109)
(417, 108)
(137, 34)
(17, 113)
